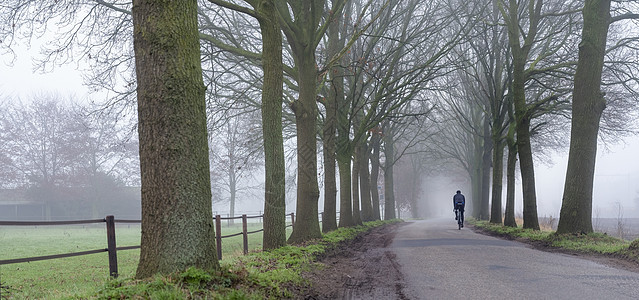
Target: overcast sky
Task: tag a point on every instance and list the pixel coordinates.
(616, 174)
(19, 80)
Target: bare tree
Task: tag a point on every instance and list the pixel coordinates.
(303, 28)
(542, 28)
(587, 108)
(380, 83)
(53, 147)
(109, 145)
(460, 139)
(237, 154)
(38, 142)
(414, 156)
(271, 107)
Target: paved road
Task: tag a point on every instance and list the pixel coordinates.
(440, 262)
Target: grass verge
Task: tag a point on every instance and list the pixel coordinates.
(591, 243)
(272, 274)
(259, 275)
(65, 278)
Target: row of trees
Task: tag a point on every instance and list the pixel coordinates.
(522, 84)
(437, 84)
(78, 160)
(75, 163)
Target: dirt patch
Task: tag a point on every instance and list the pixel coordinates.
(619, 261)
(363, 268)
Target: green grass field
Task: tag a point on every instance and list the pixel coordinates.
(80, 275)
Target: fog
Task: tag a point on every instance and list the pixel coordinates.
(437, 196)
(616, 192)
(615, 186)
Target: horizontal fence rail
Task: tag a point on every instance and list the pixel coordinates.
(48, 223)
(111, 245)
(45, 257)
(244, 233)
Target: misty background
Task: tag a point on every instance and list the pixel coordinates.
(616, 194)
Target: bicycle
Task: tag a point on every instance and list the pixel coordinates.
(459, 216)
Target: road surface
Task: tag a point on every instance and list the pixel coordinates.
(440, 262)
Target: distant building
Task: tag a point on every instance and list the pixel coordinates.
(76, 203)
(14, 205)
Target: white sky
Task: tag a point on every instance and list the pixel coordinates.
(616, 182)
(18, 79)
(616, 175)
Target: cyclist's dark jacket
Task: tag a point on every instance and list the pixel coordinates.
(459, 201)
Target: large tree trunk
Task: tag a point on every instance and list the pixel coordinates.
(522, 113)
(329, 216)
(344, 152)
(307, 221)
(357, 217)
(475, 178)
(527, 171)
(487, 147)
(526, 166)
(345, 205)
(498, 174)
(365, 183)
(389, 196)
(587, 107)
(275, 175)
(177, 221)
(499, 107)
(375, 145)
(335, 92)
(511, 165)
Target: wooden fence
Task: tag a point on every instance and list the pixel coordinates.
(111, 245)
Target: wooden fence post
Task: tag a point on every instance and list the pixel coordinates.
(245, 233)
(218, 236)
(113, 256)
(292, 219)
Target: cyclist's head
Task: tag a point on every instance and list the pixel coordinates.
(458, 192)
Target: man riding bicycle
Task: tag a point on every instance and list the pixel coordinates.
(459, 202)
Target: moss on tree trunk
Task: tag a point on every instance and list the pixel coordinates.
(487, 146)
(498, 174)
(177, 223)
(365, 183)
(511, 165)
(357, 220)
(520, 54)
(587, 107)
(389, 193)
(307, 221)
(274, 186)
(329, 133)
